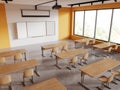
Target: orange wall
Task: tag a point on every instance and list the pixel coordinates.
(64, 22)
(99, 6)
(4, 37)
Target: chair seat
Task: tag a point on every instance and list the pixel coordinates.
(116, 72)
(103, 79)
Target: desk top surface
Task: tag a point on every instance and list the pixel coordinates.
(50, 46)
(10, 68)
(100, 67)
(51, 84)
(12, 52)
(73, 52)
(103, 45)
(84, 40)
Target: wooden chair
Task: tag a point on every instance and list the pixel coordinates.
(27, 74)
(83, 59)
(114, 49)
(106, 80)
(116, 73)
(72, 62)
(54, 51)
(2, 60)
(17, 57)
(108, 51)
(6, 80)
(65, 48)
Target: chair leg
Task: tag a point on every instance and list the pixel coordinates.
(23, 82)
(73, 65)
(80, 63)
(85, 62)
(68, 67)
(32, 79)
(10, 87)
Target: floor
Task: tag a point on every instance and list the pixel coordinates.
(69, 78)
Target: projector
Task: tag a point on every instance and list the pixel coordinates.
(56, 6)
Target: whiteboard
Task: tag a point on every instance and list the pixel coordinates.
(36, 29)
(21, 30)
(50, 28)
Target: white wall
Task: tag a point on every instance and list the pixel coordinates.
(13, 13)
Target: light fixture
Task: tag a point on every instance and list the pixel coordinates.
(56, 6)
(6, 1)
(91, 2)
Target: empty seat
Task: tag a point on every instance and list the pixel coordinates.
(83, 59)
(2, 60)
(18, 56)
(106, 80)
(116, 73)
(72, 62)
(6, 80)
(27, 74)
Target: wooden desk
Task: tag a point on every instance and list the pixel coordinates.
(10, 68)
(13, 53)
(69, 53)
(51, 84)
(87, 41)
(95, 69)
(51, 46)
(84, 40)
(103, 45)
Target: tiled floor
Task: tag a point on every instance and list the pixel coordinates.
(69, 78)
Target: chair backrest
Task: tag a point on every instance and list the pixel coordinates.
(116, 47)
(28, 73)
(86, 56)
(55, 50)
(109, 49)
(18, 56)
(65, 47)
(110, 79)
(5, 80)
(87, 42)
(2, 60)
(74, 59)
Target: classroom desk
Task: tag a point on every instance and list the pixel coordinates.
(86, 41)
(95, 69)
(103, 45)
(13, 53)
(68, 54)
(51, 84)
(51, 46)
(10, 68)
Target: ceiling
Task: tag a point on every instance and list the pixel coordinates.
(34, 2)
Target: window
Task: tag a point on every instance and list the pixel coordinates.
(103, 24)
(115, 31)
(79, 18)
(90, 17)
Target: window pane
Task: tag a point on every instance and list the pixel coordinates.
(89, 23)
(115, 31)
(79, 16)
(103, 24)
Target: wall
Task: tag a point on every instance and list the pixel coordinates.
(64, 23)
(4, 36)
(14, 16)
(99, 6)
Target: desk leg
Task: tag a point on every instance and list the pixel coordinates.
(82, 81)
(25, 56)
(36, 72)
(57, 65)
(42, 51)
